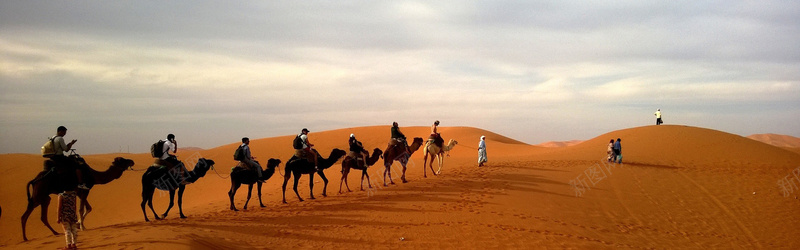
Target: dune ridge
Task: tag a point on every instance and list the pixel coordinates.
(523, 197)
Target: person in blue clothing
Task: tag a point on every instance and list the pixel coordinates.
(618, 150)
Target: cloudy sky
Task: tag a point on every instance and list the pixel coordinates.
(122, 74)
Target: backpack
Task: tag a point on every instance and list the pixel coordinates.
(238, 155)
(157, 149)
(49, 148)
(297, 143)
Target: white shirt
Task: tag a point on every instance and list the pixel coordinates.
(482, 144)
(168, 147)
(59, 145)
(658, 114)
(304, 138)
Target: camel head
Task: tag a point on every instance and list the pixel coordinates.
(377, 151)
(202, 166)
(123, 163)
(416, 144)
(273, 163)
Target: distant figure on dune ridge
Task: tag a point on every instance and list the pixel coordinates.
(658, 117)
(68, 217)
(618, 150)
(482, 152)
(610, 151)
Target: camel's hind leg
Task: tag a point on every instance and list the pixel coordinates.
(31, 205)
(45, 204)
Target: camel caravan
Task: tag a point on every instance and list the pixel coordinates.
(69, 172)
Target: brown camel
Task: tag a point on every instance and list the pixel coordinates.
(299, 167)
(159, 177)
(397, 153)
(60, 179)
(241, 175)
(436, 153)
(349, 163)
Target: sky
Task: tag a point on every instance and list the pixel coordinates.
(122, 74)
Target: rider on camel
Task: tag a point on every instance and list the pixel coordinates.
(61, 160)
(398, 138)
(305, 150)
(357, 151)
(435, 136)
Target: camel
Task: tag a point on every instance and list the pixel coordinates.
(396, 153)
(158, 177)
(240, 175)
(435, 153)
(40, 188)
(300, 167)
(349, 163)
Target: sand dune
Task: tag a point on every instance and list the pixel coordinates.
(784, 141)
(681, 187)
(558, 144)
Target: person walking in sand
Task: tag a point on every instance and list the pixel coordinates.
(610, 151)
(482, 152)
(68, 217)
(658, 117)
(618, 150)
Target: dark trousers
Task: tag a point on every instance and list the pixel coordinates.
(658, 121)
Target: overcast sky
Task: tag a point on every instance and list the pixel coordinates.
(122, 74)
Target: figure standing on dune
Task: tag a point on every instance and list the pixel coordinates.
(658, 117)
(618, 150)
(482, 152)
(610, 151)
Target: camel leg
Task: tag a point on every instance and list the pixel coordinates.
(145, 199)
(232, 193)
(171, 203)
(180, 200)
(433, 157)
(259, 194)
(389, 171)
(369, 182)
(344, 178)
(296, 180)
(441, 163)
(404, 164)
(324, 180)
(425, 164)
(83, 213)
(311, 186)
(249, 193)
(286, 180)
(45, 204)
(31, 205)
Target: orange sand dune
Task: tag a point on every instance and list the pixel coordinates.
(681, 187)
(785, 141)
(558, 144)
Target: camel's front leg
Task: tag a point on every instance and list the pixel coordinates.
(249, 192)
(171, 203)
(84, 213)
(259, 194)
(311, 186)
(441, 163)
(180, 200)
(325, 187)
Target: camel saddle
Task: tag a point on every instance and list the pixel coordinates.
(359, 158)
(436, 139)
(64, 173)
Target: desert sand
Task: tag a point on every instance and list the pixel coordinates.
(679, 187)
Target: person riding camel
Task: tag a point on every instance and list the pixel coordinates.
(63, 161)
(398, 138)
(435, 136)
(170, 160)
(248, 159)
(357, 151)
(304, 149)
